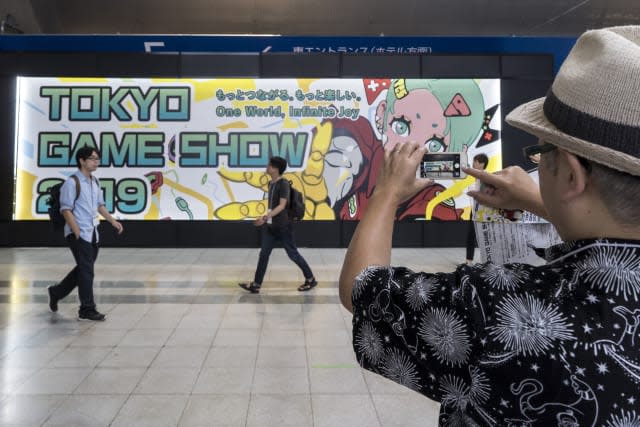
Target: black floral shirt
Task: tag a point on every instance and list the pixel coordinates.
(512, 345)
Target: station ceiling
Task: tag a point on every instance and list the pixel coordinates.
(317, 17)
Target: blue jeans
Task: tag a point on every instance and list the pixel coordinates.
(85, 254)
(270, 235)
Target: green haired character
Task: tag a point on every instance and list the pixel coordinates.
(446, 114)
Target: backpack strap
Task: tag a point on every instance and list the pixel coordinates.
(75, 178)
(290, 193)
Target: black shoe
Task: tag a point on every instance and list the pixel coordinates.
(251, 287)
(53, 301)
(93, 315)
(308, 285)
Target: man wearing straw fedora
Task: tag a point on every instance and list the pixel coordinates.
(515, 344)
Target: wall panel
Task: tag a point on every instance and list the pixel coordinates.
(524, 77)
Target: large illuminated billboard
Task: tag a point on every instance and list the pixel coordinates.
(196, 149)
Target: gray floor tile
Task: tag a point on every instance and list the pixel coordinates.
(79, 357)
(145, 338)
(53, 381)
(13, 377)
(328, 337)
(231, 357)
(236, 337)
(284, 320)
(242, 321)
(353, 410)
(190, 337)
(167, 381)
(86, 411)
(327, 357)
(180, 357)
(224, 381)
(99, 337)
(337, 380)
(282, 338)
(110, 381)
(281, 381)
(25, 410)
(279, 410)
(53, 338)
(123, 357)
(281, 357)
(29, 357)
(215, 411)
(151, 411)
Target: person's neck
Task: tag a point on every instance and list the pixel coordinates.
(610, 232)
(588, 217)
(86, 173)
(275, 178)
(599, 227)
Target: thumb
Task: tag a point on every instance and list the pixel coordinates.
(482, 198)
(423, 183)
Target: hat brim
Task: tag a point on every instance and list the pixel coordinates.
(530, 118)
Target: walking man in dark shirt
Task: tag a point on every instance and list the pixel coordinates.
(277, 226)
(516, 344)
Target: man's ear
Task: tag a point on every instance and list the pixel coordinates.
(574, 177)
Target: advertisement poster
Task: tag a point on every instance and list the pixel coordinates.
(197, 149)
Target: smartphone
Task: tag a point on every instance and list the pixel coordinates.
(443, 166)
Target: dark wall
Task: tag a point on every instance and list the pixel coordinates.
(524, 77)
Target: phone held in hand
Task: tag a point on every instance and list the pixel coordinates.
(443, 166)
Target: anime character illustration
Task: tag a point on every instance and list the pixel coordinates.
(345, 153)
(447, 115)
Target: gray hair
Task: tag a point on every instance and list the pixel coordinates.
(620, 193)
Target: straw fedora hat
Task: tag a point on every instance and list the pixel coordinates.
(593, 106)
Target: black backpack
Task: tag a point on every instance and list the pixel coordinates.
(55, 216)
(295, 206)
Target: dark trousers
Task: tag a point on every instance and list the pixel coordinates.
(270, 235)
(471, 240)
(85, 254)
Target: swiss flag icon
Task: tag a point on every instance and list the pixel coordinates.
(373, 87)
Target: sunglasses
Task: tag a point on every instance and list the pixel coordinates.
(533, 153)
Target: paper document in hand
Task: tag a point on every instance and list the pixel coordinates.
(506, 236)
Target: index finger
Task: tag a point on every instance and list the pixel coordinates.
(417, 149)
(484, 176)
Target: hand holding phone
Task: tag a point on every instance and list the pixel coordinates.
(442, 166)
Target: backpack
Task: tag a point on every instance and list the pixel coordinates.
(55, 216)
(295, 206)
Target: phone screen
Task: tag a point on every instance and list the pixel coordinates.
(442, 165)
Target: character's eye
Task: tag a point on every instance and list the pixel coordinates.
(435, 144)
(401, 126)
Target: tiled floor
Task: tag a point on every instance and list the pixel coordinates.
(184, 346)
